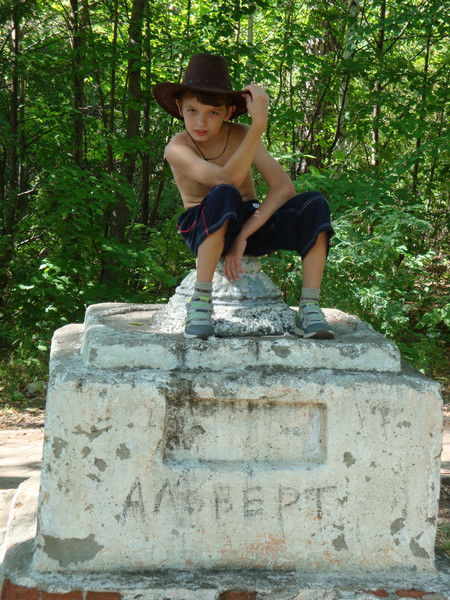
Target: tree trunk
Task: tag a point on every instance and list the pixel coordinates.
(340, 137)
(314, 113)
(11, 187)
(145, 177)
(112, 102)
(422, 111)
(77, 25)
(119, 214)
(3, 159)
(11, 208)
(376, 113)
(134, 99)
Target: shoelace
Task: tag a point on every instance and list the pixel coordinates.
(198, 310)
(311, 313)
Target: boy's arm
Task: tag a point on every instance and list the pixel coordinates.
(281, 190)
(236, 168)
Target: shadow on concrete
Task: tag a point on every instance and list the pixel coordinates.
(7, 483)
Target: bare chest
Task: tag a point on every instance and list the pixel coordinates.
(192, 192)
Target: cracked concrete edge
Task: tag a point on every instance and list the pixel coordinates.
(22, 518)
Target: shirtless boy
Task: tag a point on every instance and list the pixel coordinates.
(211, 163)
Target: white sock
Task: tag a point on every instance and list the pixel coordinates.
(310, 295)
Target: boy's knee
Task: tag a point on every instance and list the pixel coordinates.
(314, 201)
(225, 189)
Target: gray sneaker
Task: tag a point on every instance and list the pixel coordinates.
(198, 322)
(310, 322)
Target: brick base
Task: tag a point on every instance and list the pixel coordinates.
(237, 594)
(11, 591)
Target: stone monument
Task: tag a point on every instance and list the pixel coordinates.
(254, 450)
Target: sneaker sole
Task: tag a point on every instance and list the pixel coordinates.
(197, 335)
(323, 334)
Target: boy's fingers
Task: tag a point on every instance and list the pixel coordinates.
(227, 270)
(233, 271)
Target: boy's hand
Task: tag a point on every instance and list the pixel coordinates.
(232, 264)
(257, 104)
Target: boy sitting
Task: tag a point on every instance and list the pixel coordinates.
(211, 163)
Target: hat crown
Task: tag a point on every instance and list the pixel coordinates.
(208, 70)
(204, 73)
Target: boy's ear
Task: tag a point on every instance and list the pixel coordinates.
(230, 111)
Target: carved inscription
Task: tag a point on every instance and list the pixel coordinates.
(250, 501)
(233, 434)
(133, 505)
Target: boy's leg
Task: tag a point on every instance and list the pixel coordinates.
(303, 224)
(199, 307)
(207, 231)
(314, 262)
(209, 252)
(310, 320)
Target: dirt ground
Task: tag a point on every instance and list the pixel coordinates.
(29, 418)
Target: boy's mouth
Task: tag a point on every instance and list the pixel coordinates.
(200, 132)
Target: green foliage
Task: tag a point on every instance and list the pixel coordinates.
(380, 266)
(384, 171)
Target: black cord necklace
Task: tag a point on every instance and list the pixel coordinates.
(226, 144)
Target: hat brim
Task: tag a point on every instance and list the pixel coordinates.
(164, 94)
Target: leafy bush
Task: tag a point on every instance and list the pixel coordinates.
(382, 266)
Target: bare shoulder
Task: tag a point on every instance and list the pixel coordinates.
(173, 146)
(177, 140)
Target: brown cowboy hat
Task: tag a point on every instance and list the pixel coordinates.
(205, 73)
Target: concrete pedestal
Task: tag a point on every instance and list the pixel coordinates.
(267, 453)
(257, 464)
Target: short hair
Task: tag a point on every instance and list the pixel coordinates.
(211, 98)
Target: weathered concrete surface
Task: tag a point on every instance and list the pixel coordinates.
(20, 458)
(119, 335)
(318, 470)
(252, 305)
(206, 585)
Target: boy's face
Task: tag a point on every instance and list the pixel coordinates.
(203, 121)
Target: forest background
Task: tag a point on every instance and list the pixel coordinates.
(358, 110)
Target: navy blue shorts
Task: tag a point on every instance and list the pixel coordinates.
(294, 226)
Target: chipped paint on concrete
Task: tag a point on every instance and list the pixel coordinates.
(100, 464)
(264, 339)
(417, 550)
(349, 459)
(71, 550)
(123, 452)
(281, 351)
(243, 455)
(397, 525)
(339, 542)
(93, 433)
(58, 445)
(205, 584)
